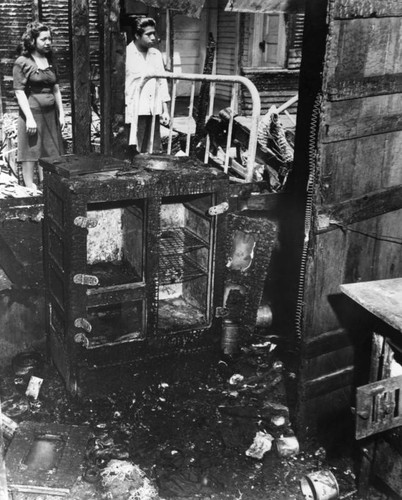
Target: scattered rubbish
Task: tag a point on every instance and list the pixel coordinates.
(236, 379)
(276, 409)
(264, 316)
(91, 474)
(9, 188)
(186, 451)
(124, 480)
(261, 444)
(287, 446)
(45, 458)
(8, 426)
(25, 363)
(320, 453)
(15, 407)
(278, 420)
(34, 386)
(348, 495)
(320, 485)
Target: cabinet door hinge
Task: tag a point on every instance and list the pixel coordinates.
(219, 209)
(86, 279)
(81, 338)
(85, 222)
(83, 323)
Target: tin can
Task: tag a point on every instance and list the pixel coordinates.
(230, 337)
(287, 446)
(264, 316)
(320, 485)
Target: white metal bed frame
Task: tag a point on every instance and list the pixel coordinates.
(213, 79)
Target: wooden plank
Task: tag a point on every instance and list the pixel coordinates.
(388, 255)
(325, 270)
(328, 383)
(388, 465)
(363, 72)
(328, 362)
(350, 9)
(369, 86)
(81, 99)
(373, 204)
(360, 253)
(357, 118)
(327, 342)
(351, 169)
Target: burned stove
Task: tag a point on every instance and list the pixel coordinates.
(134, 260)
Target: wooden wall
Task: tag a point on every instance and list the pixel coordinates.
(228, 40)
(189, 46)
(276, 86)
(14, 16)
(348, 159)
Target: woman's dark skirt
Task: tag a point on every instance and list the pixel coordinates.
(46, 142)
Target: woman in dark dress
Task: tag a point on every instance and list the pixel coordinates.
(41, 117)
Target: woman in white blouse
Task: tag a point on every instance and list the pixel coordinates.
(143, 58)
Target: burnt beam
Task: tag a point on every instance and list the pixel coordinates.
(365, 207)
(80, 75)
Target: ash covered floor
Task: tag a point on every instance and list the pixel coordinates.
(187, 428)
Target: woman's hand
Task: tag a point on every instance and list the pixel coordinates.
(62, 121)
(31, 126)
(165, 119)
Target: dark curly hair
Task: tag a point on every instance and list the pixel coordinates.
(140, 23)
(28, 39)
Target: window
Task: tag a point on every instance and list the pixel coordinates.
(268, 41)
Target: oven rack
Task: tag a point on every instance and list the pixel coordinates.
(180, 240)
(179, 268)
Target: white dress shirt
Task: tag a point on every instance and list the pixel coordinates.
(136, 66)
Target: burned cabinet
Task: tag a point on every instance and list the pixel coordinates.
(133, 261)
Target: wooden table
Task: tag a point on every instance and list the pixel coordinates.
(379, 403)
(383, 298)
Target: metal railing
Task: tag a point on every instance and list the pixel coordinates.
(213, 79)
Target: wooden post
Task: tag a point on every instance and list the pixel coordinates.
(3, 475)
(80, 85)
(105, 68)
(169, 40)
(112, 63)
(35, 10)
(1, 112)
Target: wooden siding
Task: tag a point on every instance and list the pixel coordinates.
(14, 16)
(275, 86)
(227, 48)
(190, 46)
(357, 160)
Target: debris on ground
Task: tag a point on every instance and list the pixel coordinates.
(125, 481)
(186, 429)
